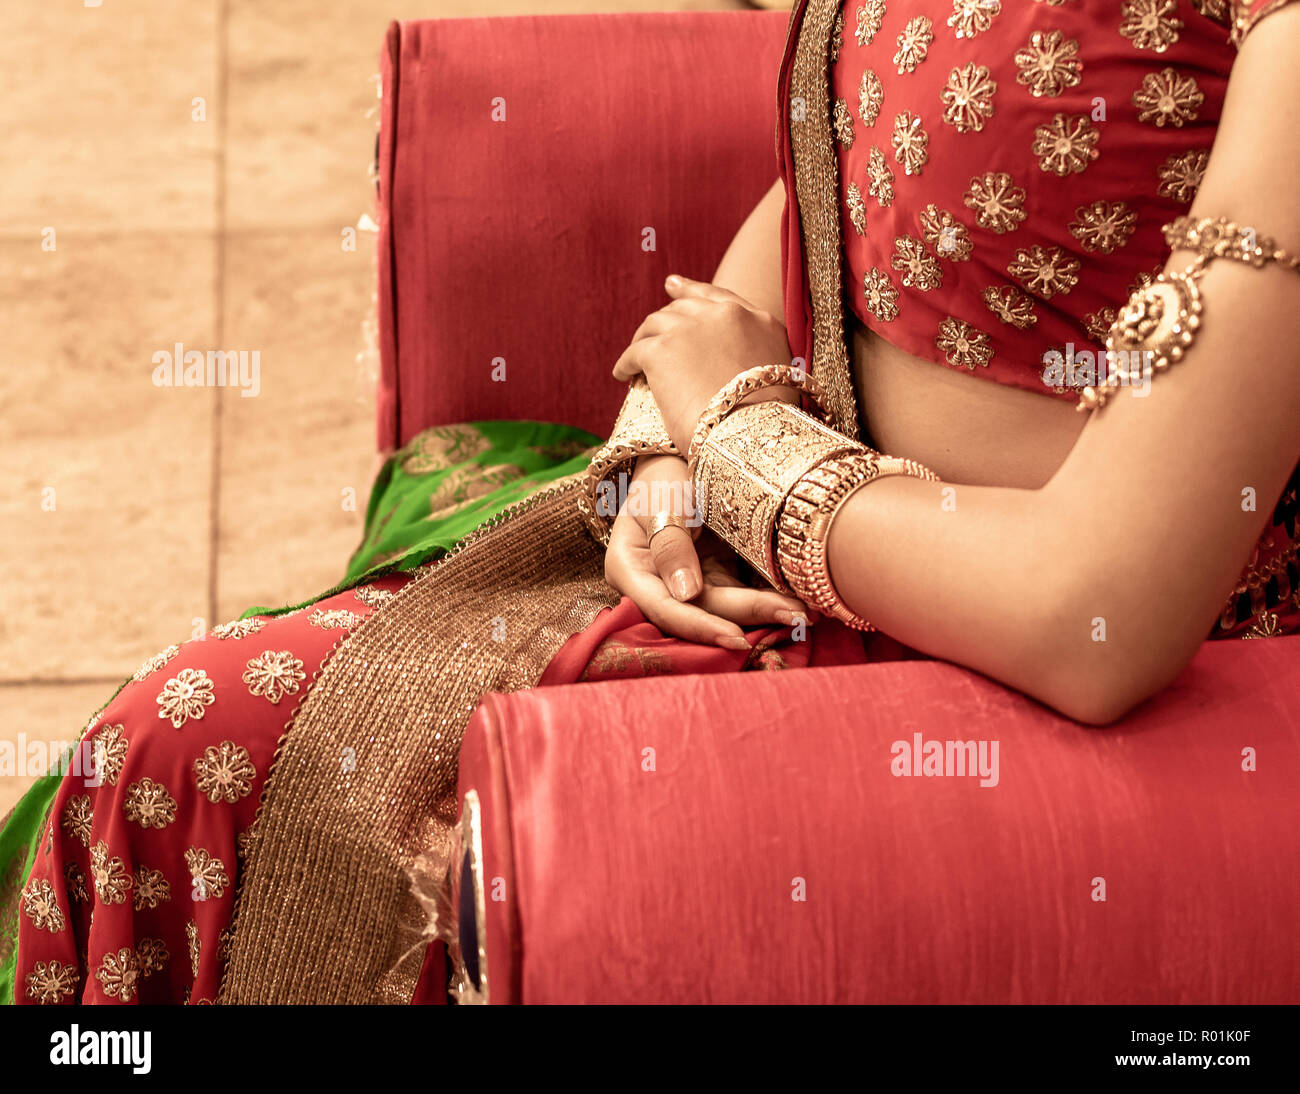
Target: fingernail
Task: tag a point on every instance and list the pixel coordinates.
(732, 642)
(784, 615)
(683, 584)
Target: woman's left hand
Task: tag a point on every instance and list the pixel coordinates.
(691, 347)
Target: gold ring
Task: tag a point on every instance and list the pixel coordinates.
(663, 520)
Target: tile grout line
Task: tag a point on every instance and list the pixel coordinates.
(219, 309)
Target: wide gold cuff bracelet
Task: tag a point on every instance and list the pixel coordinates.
(747, 463)
(745, 384)
(805, 521)
(638, 431)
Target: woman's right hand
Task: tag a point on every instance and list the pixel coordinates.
(685, 587)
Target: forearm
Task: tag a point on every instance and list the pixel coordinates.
(1020, 585)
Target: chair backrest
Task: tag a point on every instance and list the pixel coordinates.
(539, 177)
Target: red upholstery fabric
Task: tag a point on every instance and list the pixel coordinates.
(522, 239)
(675, 885)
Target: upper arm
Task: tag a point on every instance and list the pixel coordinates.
(752, 265)
(1152, 495)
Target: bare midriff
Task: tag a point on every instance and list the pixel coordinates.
(965, 429)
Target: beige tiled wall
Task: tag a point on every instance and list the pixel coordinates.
(196, 164)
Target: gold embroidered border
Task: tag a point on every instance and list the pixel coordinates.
(325, 912)
(817, 189)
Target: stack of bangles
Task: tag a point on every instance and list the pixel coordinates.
(769, 479)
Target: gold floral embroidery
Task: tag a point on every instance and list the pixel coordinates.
(74, 882)
(77, 818)
(152, 955)
(1216, 10)
(1044, 272)
(871, 93)
(109, 875)
(373, 597)
(857, 208)
(913, 43)
(149, 805)
(48, 983)
(972, 17)
(881, 296)
(334, 618)
(1168, 98)
(149, 888)
(837, 36)
(870, 15)
(157, 661)
(1011, 306)
(192, 937)
(208, 874)
(1103, 226)
(1068, 144)
(963, 345)
(842, 122)
(1098, 323)
(1049, 64)
(1150, 24)
(1266, 625)
(186, 695)
(41, 906)
(881, 184)
(911, 142)
(239, 628)
(109, 750)
(919, 268)
(997, 200)
(947, 235)
(1180, 176)
(439, 447)
(769, 660)
(274, 674)
(225, 773)
(968, 98)
(244, 843)
(120, 974)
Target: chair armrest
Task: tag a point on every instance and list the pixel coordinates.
(623, 881)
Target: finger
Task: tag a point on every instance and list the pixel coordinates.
(628, 364)
(680, 287)
(675, 560)
(657, 322)
(749, 607)
(688, 621)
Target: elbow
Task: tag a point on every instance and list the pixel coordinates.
(1096, 668)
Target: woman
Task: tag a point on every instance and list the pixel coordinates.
(970, 194)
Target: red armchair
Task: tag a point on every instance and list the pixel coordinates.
(760, 837)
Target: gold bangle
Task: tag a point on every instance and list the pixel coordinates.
(745, 467)
(638, 431)
(1160, 321)
(741, 387)
(805, 522)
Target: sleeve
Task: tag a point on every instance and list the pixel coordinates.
(1245, 14)
(638, 431)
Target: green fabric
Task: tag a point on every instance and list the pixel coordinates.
(428, 496)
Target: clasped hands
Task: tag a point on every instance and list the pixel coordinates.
(687, 351)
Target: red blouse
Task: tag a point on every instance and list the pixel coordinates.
(1005, 167)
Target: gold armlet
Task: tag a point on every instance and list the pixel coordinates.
(746, 465)
(638, 431)
(805, 523)
(1160, 320)
(743, 385)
